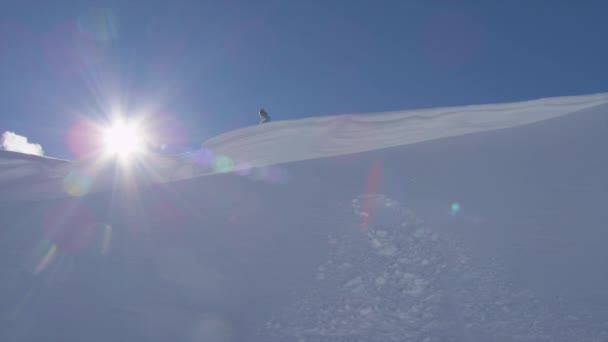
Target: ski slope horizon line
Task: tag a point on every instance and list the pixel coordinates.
(281, 142)
(429, 113)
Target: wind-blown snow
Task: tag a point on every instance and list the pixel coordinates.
(348, 228)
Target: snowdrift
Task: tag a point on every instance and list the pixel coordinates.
(478, 223)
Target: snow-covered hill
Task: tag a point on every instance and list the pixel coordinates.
(477, 223)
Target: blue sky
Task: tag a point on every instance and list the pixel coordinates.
(201, 68)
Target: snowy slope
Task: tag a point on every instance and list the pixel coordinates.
(492, 236)
(288, 141)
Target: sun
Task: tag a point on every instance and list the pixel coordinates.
(124, 139)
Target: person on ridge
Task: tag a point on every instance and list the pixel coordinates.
(264, 117)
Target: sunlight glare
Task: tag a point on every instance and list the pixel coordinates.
(123, 139)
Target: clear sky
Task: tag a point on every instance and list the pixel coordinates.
(200, 68)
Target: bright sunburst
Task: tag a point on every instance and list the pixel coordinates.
(124, 139)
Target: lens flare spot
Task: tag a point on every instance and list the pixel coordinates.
(203, 157)
(83, 139)
(46, 260)
(107, 237)
(274, 174)
(223, 164)
(455, 208)
(77, 183)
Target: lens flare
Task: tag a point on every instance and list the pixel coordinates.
(273, 174)
(77, 183)
(455, 208)
(374, 182)
(203, 157)
(124, 139)
(223, 164)
(83, 139)
(46, 260)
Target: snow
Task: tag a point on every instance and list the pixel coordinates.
(476, 223)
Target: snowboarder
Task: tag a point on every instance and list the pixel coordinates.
(264, 118)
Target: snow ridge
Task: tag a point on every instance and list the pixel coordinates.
(317, 137)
